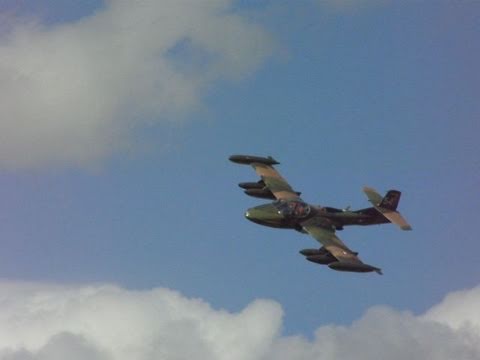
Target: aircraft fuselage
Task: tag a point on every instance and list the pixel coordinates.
(291, 214)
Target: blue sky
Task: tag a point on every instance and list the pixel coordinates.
(381, 94)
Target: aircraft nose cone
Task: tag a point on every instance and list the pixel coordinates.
(263, 213)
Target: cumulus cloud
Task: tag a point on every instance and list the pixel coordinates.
(106, 322)
(460, 309)
(75, 92)
(41, 321)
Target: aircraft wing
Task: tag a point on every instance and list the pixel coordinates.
(275, 185)
(347, 259)
(275, 182)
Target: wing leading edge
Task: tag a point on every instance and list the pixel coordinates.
(274, 182)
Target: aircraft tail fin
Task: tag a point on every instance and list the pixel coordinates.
(390, 200)
(387, 206)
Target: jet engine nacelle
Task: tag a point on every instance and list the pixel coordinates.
(260, 193)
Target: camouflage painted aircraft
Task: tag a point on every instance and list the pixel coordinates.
(289, 211)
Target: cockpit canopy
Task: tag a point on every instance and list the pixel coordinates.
(292, 208)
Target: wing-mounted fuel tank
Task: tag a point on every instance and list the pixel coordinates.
(263, 193)
(324, 257)
(250, 159)
(319, 256)
(252, 185)
(257, 189)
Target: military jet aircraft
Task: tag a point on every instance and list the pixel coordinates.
(289, 211)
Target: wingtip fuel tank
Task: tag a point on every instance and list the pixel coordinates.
(250, 159)
(345, 266)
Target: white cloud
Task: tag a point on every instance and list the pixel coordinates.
(460, 309)
(106, 322)
(40, 321)
(74, 93)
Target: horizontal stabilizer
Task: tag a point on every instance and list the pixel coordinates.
(389, 201)
(387, 206)
(395, 218)
(373, 196)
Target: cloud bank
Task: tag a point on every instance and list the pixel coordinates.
(74, 93)
(106, 322)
